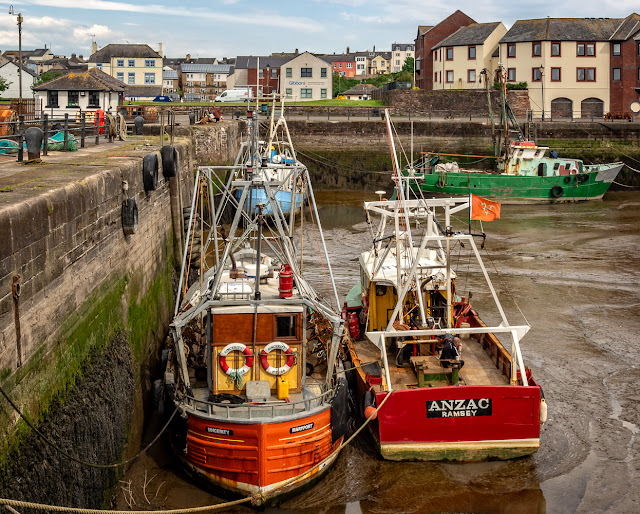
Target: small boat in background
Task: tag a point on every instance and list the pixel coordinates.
(429, 405)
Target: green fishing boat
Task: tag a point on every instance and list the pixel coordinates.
(524, 172)
(527, 175)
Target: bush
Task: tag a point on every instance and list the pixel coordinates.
(512, 86)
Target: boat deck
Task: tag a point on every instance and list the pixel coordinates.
(478, 368)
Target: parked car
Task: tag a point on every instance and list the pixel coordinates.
(162, 99)
(233, 95)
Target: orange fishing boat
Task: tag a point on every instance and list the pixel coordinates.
(251, 367)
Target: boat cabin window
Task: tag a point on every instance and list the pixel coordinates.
(286, 326)
(556, 166)
(381, 290)
(542, 169)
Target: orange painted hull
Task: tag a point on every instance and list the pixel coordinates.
(270, 458)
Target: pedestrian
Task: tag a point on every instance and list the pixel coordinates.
(451, 351)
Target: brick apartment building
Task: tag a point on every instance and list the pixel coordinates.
(625, 65)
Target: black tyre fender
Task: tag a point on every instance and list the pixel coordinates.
(557, 191)
(150, 172)
(309, 369)
(129, 216)
(350, 374)
(567, 179)
(169, 156)
(158, 396)
(582, 178)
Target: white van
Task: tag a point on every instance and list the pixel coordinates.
(233, 95)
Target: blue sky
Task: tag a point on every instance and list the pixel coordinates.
(226, 28)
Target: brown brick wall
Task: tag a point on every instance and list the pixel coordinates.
(623, 91)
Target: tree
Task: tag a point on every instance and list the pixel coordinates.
(47, 76)
(408, 65)
(4, 85)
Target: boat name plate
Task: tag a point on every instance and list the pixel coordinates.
(459, 407)
(219, 431)
(301, 428)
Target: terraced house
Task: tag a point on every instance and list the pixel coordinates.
(138, 66)
(570, 64)
(459, 59)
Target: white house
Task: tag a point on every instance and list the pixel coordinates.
(10, 72)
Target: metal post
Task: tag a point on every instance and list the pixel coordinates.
(327, 113)
(66, 132)
(83, 123)
(45, 133)
(96, 119)
(20, 137)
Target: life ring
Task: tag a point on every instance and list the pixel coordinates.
(235, 347)
(557, 191)
(276, 345)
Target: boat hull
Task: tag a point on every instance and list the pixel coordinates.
(466, 423)
(259, 197)
(521, 188)
(270, 458)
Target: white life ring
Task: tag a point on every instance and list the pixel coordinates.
(276, 345)
(235, 347)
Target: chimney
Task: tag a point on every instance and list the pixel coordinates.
(160, 49)
(80, 57)
(347, 49)
(94, 47)
(188, 57)
(297, 51)
(73, 56)
(374, 48)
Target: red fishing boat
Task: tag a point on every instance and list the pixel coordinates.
(424, 405)
(250, 369)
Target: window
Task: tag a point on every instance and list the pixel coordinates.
(274, 73)
(94, 99)
(555, 74)
(638, 74)
(323, 72)
(288, 72)
(120, 76)
(132, 63)
(586, 49)
(511, 49)
(471, 76)
(120, 63)
(435, 77)
(350, 65)
(555, 49)
(472, 52)
(449, 75)
(149, 78)
(288, 92)
(616, 49)
(52, 99)
(536, 49)
(73, 98)
(511, 74)
(99, 66)
(449, 54)
(149, 63)
(616, 74)
(260, 74)
(586, 74)
(131, 78)
(286, 326)
(305, 72)
(323, 93)
(305, 93)
(536, 74)
(397, 62)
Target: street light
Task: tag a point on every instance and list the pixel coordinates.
(19, 57)
(542, 80)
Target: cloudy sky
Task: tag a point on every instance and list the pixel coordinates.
(226, 28)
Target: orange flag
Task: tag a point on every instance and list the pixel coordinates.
(483, 209)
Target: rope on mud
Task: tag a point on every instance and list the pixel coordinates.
(632, 169)
(75, 459)
(259, 498)
(625, 185)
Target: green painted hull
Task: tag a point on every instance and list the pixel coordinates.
(591, 185)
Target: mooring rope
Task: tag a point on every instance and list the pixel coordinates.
(75, 459)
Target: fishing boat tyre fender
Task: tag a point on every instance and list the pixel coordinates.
(235, 347)
(150, 172)
(368, 401)
(169, 156)
(276, 345)
(339, 410)
(557, 191)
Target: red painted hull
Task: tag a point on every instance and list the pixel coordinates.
(267, 458)
(459, 429)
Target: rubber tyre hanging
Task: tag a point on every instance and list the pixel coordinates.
(567, 179)
(557, 191)
(169, 161)
(150, 172)
(129, 216)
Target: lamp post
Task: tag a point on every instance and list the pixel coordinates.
(542, 81)
(267, 82)
(19, 57)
